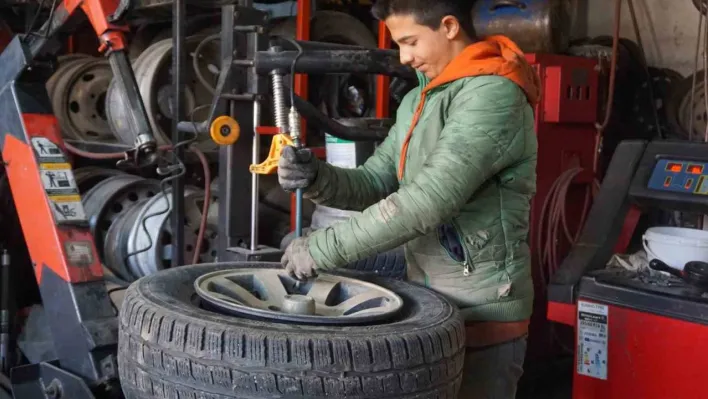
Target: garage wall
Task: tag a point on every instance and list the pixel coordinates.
(668, 28)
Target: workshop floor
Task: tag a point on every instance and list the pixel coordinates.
(549, 381)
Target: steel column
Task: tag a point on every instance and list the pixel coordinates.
(302, 32)
(179, 63)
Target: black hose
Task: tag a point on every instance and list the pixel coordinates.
(376, 130)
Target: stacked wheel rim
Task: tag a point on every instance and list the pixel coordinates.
(149, 243)
(111, 198)
(78, 95)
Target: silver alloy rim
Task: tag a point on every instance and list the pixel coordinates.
(272, 294)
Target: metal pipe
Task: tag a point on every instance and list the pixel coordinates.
(312, 45)
(371, 61)
(255, 160)
(179, 62)
(296, 134)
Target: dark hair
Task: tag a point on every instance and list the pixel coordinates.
(427, 12)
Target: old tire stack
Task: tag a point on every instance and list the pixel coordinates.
(172, 348)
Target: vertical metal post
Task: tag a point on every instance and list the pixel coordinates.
(255, 178)
(302, 32)
(179, 63)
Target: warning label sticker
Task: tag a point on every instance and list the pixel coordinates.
(79, 253)
(58, 178)
(47, 150)
(592, 339)
(67, 208)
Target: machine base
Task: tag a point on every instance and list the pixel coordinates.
(262, 254)
(648, 356)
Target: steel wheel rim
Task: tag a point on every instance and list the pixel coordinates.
(87, 177)
(109, 199)
(116, 241)
(272, 294)
(79, 99)
(151, 250)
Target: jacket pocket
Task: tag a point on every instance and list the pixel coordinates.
(450, 239)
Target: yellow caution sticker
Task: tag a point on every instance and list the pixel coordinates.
(67, 208)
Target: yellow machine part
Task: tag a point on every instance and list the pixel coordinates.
(270, 165)
(225, 130)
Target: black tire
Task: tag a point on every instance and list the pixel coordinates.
(171, 348)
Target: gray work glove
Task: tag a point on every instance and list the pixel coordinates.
(297, 260)
(297, 168)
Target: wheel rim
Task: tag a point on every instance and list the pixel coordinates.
(149, 243)
(272, 294)
(87, 177)
(116, 242)
(109, 199)
(79, 99)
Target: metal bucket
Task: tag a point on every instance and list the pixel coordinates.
(536, 26)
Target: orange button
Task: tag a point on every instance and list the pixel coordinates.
(667, 181)
(695, 169)
(689, 183)
(674, 167)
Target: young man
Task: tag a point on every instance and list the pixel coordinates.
(452, 183)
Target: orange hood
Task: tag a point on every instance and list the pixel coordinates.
(495, 55)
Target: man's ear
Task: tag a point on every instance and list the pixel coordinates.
(451, 26)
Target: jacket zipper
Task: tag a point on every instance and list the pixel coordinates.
(466, 263)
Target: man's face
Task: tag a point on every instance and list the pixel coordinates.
(427, 50)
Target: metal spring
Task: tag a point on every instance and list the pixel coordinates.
(279, 108)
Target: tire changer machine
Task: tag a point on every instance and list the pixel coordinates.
(639, 334)
(66, 265)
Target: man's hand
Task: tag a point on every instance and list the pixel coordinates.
(297, 260)
(297, 168)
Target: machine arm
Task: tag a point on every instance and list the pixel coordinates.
(103, 16)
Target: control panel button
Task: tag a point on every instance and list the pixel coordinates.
(695, 169)
(667, 181)
(674, 167)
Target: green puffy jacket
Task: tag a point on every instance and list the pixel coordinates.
(469, 173)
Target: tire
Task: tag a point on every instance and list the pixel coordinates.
(171, 348)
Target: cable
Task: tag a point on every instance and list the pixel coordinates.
(111, 291)
(30, 26)
(205, 207)
(705, 75)
(300, 52)
(642, 54)
(694, 77)
(182, 170)
(50, 19)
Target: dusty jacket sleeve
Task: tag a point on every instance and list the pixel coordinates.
(357, 189)
(484, 133)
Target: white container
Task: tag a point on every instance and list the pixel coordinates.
(676, 246)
